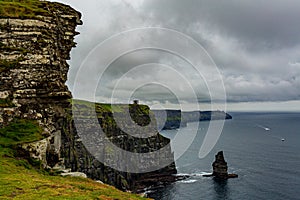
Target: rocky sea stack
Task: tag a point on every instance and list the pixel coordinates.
(220, 168)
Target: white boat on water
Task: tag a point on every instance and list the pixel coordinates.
(263, 127)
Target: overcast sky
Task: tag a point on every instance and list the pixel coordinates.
(254, 44)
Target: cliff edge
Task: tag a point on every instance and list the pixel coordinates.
(36, 40)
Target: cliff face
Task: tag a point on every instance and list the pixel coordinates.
(33, 71)
(115, 134)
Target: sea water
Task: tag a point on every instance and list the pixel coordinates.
(262, 148)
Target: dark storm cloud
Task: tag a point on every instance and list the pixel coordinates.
(255, 44)
(268, 23)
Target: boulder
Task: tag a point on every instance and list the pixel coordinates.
(74, 174)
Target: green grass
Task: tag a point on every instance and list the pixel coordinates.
(19, 179)
(22, 8)
(100, 107)
(29, 9)
(20, 131)
(20, 182)
(6, 103)
(103, 107)
(140, 114)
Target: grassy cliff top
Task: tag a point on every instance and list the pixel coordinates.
(19, 180)
(28, 9)
(22, 178)
(21, 8)
(105, 108)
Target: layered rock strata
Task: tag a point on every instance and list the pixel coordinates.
(33, 72)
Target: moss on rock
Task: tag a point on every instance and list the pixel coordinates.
(20, 131)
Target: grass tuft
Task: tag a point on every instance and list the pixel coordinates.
(20, 131)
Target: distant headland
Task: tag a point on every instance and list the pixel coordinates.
(173, 119)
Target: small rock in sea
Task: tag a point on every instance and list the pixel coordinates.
(220, 168)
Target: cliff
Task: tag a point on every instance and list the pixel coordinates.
(36, 39)
(124, 139)
(173, 119)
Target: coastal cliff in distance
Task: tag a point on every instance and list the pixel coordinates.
(173, 119)
(36, 106)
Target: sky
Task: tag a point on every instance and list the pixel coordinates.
(249, 55)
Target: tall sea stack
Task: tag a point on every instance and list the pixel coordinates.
(220, 168)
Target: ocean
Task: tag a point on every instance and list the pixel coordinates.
(268, 167)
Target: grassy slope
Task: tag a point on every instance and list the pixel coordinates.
(21, 180)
